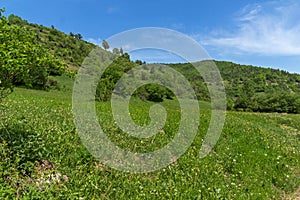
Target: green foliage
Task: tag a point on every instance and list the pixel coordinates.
(247, 87)
(284, 102)
(13, 19)
(121, 65)
(116, 51)
(78, 36)
(260, 89)
(23, 60)
(257, 156)
(195, 79)
(105, 44)
(250, 88)
(69, 48)
(111, 76)
(154, 92)
(245, 93)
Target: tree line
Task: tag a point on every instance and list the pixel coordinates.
(248, 88)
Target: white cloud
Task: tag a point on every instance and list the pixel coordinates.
(266, 29)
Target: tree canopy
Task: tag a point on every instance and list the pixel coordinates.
(23, 60)
(105, 44)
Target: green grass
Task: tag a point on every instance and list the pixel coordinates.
(257, 156)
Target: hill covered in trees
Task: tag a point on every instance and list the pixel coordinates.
(24, 61)
(31, 52)
(68, 47)
(250, 88)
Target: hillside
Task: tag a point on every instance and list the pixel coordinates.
(31, 53)
(251, 88)
(43, 154)
(248, 88)
(68, 47)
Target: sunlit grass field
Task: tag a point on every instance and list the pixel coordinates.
(42, 157)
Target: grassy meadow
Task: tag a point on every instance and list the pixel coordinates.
(42, 157)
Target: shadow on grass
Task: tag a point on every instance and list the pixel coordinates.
(20, 147)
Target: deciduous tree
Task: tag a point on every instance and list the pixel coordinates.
(23, 61)
(105, 44)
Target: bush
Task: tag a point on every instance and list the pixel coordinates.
(23, 60)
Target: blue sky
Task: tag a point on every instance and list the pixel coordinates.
(257, 32)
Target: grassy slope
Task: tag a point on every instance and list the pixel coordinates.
(257, 156)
